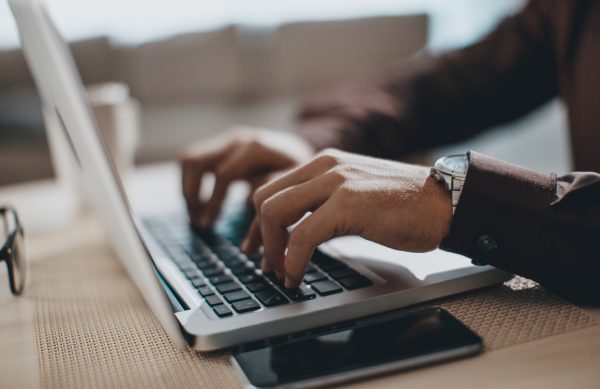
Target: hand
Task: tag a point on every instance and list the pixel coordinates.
(391, 203)
(240, 154)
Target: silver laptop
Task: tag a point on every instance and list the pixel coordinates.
(199, 285)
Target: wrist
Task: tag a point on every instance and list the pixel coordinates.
(441, 207)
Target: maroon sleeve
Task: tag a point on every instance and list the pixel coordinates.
(441, 99)
(536, 225)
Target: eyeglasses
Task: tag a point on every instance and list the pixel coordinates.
(13, 250)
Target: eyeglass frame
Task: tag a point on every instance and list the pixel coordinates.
(10, 251)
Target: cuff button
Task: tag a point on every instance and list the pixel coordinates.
(486, 243)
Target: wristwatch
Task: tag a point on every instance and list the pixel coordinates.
(451, 171)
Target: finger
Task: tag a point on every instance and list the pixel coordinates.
(242, 163)
(317, 228)
(190, 182)
(234, 166)
(296, 176)
(266, 266)
(193, 168)
(255, 183)
(211, 209)
(286, 208)
(253, 239)
(260, 180)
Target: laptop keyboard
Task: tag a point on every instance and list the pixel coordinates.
(231, 282)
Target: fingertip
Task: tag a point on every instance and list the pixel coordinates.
(293, 280)
(293, 277)
(289, 284)
(245, 246)
(294, 267)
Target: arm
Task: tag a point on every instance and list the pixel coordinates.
(525, 222)
(442, 99)
(532, 224)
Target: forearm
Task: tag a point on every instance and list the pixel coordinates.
(440, 99)
(531, 224)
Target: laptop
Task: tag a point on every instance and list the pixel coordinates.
(204, 291)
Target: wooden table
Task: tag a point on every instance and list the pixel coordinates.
(571, 360)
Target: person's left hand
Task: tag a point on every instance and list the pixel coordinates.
(391, 203)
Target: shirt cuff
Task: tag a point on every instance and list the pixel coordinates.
(500, 215)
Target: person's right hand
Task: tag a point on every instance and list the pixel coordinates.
(241, 153)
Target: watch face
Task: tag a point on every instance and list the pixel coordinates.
(454, 164)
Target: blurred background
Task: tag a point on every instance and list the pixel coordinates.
(199, 67)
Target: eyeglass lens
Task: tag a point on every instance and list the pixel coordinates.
(16, 262)
(18, 265)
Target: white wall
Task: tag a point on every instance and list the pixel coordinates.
(455, 22)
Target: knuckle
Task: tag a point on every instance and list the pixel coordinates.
(240, 135)
(329, 157)
(222, 176)
(234, 143)
(330, 151)
(258, 198)
(337, 175)
(268, 210)
(185, 158)
(254, 143)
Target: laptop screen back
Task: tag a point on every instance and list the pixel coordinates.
(63, 98)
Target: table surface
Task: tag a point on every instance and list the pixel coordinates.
(568, 360)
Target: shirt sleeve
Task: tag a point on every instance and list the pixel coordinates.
(440, 99)
(543, 227)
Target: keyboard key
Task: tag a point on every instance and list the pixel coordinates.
(187, 266)
(310, 268)
(330, 264)
(248, 278)
(239, 295)
(314, 277)
(207, 237)
(229, 254)
(257, 286)
(198, 282)
(342, 273)
(212, 271)
(213, 300)
(273, 278)
(205, 291)
(182, 262)
(192, 273)
(242, 270)
(300, 293)
(189, 245)
(228, 287)
(206, 264)
(271, 298)
(233, 262)
(355, 282)
(325, 288)
(222, 311)
(220, 279)
(247, 305)
(255, 258)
